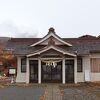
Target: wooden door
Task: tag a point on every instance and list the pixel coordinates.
(51, 74)
(69, 71)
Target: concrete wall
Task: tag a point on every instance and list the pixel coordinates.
(80, 77)
(95, 55)
(21, 77)
(87, 66)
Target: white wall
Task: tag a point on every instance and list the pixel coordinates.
(21, 77)
(80, 76)
(86, 66)
(95, 55)
(95, 76)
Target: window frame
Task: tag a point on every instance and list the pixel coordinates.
(23, 65)
(80, 61)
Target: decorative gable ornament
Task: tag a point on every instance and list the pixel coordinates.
(51, 30)
(51, 42)
(52, 34)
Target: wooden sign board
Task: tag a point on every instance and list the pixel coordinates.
(12, 71)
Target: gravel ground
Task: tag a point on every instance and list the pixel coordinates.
(81, 93)
(33, 92)
(21, 93)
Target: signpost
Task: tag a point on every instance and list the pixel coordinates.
(12, 72)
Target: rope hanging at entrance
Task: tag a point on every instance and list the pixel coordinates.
(51, 62)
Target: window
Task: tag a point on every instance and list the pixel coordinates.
(79, 65)
(23, 65)
(95, 65)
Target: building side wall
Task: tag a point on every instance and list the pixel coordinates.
(94, 76)
(86, 66)
(21, 77)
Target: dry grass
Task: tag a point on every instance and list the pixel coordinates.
(95, 83)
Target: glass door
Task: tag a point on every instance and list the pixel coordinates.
(33, 70)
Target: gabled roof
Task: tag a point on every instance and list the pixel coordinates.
(52, 33)
(84, 45)
(37, 52)
(87, 37)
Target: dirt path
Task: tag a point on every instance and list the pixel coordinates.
(53, 93)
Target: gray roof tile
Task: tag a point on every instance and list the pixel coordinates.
(82, 46)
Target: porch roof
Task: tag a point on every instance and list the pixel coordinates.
(37, 52)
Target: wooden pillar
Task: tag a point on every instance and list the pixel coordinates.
(27, 71)
(63, 71)
(75, 70)
(39, 71)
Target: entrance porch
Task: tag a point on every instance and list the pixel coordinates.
(65, 71)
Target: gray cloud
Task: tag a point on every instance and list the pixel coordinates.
(8, 28)
(70, 18)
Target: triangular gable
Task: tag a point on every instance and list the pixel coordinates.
(38, 52)
(51, 33)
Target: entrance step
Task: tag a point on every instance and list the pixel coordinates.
(52, 92)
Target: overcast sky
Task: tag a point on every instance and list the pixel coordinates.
(33, 18)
